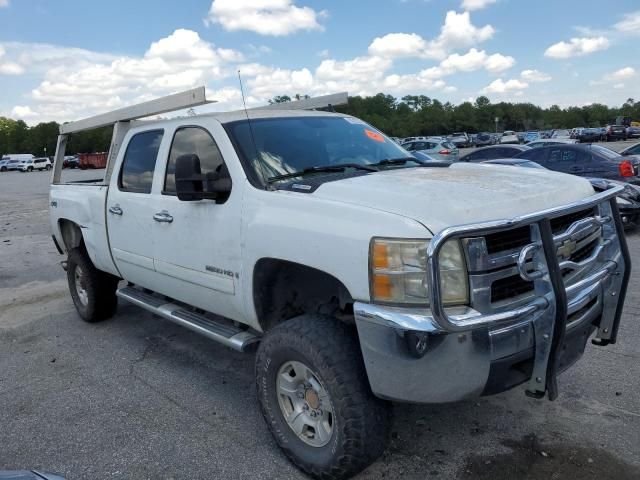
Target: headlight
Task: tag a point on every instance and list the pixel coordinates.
(398, 272)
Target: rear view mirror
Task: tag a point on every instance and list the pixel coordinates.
(191, 185)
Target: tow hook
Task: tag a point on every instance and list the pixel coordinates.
(63, 264)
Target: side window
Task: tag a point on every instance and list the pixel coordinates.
(192, 140)
(408, 147)
(139, 162)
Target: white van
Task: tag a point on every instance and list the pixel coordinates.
(18, 156)
(34, 164)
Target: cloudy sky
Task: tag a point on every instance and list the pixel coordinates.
(68, 59)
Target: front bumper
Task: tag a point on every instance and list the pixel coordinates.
(469, 354)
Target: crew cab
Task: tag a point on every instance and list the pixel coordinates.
(361, 274)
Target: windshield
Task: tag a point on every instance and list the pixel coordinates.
(289, 145)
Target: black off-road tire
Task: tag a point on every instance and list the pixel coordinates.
(100, 287)
(361, 421)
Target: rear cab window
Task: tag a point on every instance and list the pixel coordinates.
(139, 163)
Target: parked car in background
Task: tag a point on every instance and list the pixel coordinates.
(509, 136)
(561, 134)
(35, 164)
(71, 162)
(460, 140)
(628, 201)
(440, 150)
(493, 152)
(588, 135)
(586, 161)
(3, 165)
(633, 132)
(551, 141)
(616, 132)
(12, 165)
(531, 137)
(424, 157)
(632, 150)
(520, 136)
(484, 139)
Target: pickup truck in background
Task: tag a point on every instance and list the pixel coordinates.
(361, 274)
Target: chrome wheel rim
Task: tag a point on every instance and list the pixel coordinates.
(305, 404)
(80, 288)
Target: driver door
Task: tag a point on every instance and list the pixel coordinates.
(197, 243)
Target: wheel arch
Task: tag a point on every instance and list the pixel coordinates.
(283, 289)
(71, 234)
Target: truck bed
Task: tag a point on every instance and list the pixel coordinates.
(83, 203)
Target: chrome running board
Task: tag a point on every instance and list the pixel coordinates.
(222, 331)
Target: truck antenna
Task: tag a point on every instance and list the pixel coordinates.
(253, 139)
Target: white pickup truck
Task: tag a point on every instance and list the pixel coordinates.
(361, 274)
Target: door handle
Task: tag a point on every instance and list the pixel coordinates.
(116, 210)
(163, 217)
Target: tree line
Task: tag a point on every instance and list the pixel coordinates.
(40, 140)
(420, 115)
(409, 116)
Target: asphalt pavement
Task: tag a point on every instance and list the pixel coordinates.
(137, 397)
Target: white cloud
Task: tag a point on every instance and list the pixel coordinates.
(617, 77)
(11, 69)
(323, 53)
(535, 76)
(4, 3)
(471, 61)
(265, 17)
(456, 32)
(499, 86)
(398, 45)
(476, 4)
(577, 47)
(94, 82)
(622, 74)
(630, 24)
(23, 112)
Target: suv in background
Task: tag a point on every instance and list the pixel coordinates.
(484, 139)
(460, 140)
(34, 164)
(509, 136)
(616, 132)
(633, 132)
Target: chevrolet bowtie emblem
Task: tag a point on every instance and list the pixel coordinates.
(567, 248)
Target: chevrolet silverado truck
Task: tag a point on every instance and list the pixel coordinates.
(361, 275)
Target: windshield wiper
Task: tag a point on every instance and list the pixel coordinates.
(397, 161)
(326, 168)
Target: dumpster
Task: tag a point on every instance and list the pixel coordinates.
(92, 160)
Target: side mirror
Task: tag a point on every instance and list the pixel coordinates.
(192, 185)
(188, 178)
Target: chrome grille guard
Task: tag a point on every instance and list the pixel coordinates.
(549, 310)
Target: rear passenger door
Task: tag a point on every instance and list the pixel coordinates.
(130, 209)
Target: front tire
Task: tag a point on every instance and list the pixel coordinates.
(93, 291)
(315, 397)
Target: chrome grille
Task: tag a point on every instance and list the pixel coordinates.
(495, 283)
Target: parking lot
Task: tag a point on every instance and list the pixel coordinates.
(138, 397)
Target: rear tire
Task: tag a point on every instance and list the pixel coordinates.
(93, 291)
(352, 425)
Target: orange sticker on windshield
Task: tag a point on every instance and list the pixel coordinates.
(374, 136)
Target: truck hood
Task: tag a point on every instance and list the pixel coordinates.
(460, 194)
